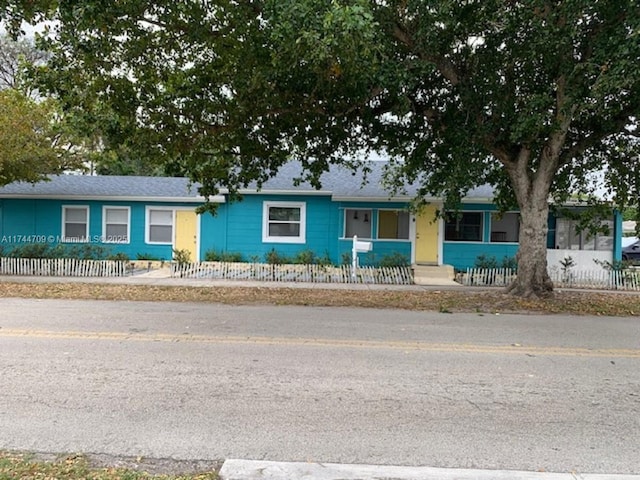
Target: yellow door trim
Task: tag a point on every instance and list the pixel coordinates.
(186, 233)
(427, 241)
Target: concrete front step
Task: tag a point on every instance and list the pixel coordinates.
(433, 275)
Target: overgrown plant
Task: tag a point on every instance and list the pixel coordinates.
(181, 257)
(567, 263)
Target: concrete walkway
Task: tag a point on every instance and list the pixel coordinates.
(263, 470)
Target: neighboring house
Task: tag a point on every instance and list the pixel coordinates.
(152, 216)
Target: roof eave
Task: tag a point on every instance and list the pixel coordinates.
(284, 192)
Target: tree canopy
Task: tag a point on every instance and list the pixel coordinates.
(530, 96)
(27, 139)
(34, 141)
(15, 58)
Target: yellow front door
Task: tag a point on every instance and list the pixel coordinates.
(187, 233)
(427, 241)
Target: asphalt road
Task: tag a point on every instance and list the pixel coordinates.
(196, 381)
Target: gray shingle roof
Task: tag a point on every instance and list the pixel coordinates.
(85, 186)
(340, 182)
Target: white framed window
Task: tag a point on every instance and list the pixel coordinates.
(284, 222)
(75, 223)
(393, 224)
(116, 224)
(357, 222)
(505, 227)
(569, 238)
(159, 225)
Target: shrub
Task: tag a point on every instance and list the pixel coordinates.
(231, 257)
(510, 263)
(305, 257)
(87, 252)
(273, 257)
(615, 266)
(324, 260)
(394, 259)
(147, 256)
(214, 256)
(485, 262)
(45, 250)
(120, 257)
(31, 250)
(181, 256)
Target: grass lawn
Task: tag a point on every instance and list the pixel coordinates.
(20, 466)
(447, 301)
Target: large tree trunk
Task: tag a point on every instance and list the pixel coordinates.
(533, 278)
(532, 193)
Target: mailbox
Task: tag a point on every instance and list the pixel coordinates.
(358, 247)
(362, 247)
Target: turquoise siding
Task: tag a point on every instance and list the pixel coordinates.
(617, 236)
(29, 221)
(237, 228)
(463, 255)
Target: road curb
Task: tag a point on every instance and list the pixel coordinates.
(236, 469)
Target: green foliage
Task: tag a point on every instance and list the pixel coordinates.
(615, 266)
(46, 250)
(485, 262)
(567, 263)
(394, 259)
(181, 257)
(120, 256)
(215, 256)
(273, 257)
(28, 139)
(531, 97)
(490, 262)
(15, 59)
(305, 257)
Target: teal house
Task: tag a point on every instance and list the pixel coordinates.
(154, 216)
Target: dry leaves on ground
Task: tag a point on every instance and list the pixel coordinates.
(446, 301)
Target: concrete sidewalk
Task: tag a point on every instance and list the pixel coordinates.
(264, 470)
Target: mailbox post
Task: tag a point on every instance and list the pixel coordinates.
(358, 247)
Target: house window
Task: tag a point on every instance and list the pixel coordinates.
(393, 224)
(115, 224)
(159, 226)
(505, 227)
(463, 227)
(357, 222)
(75, 224)
(284, 222)
(567, 238)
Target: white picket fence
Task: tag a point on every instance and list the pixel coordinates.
(590, 279)
(63, 267)
(294, 273)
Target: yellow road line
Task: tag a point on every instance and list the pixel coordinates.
(324, 342)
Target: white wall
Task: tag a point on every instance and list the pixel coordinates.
(583, 259)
